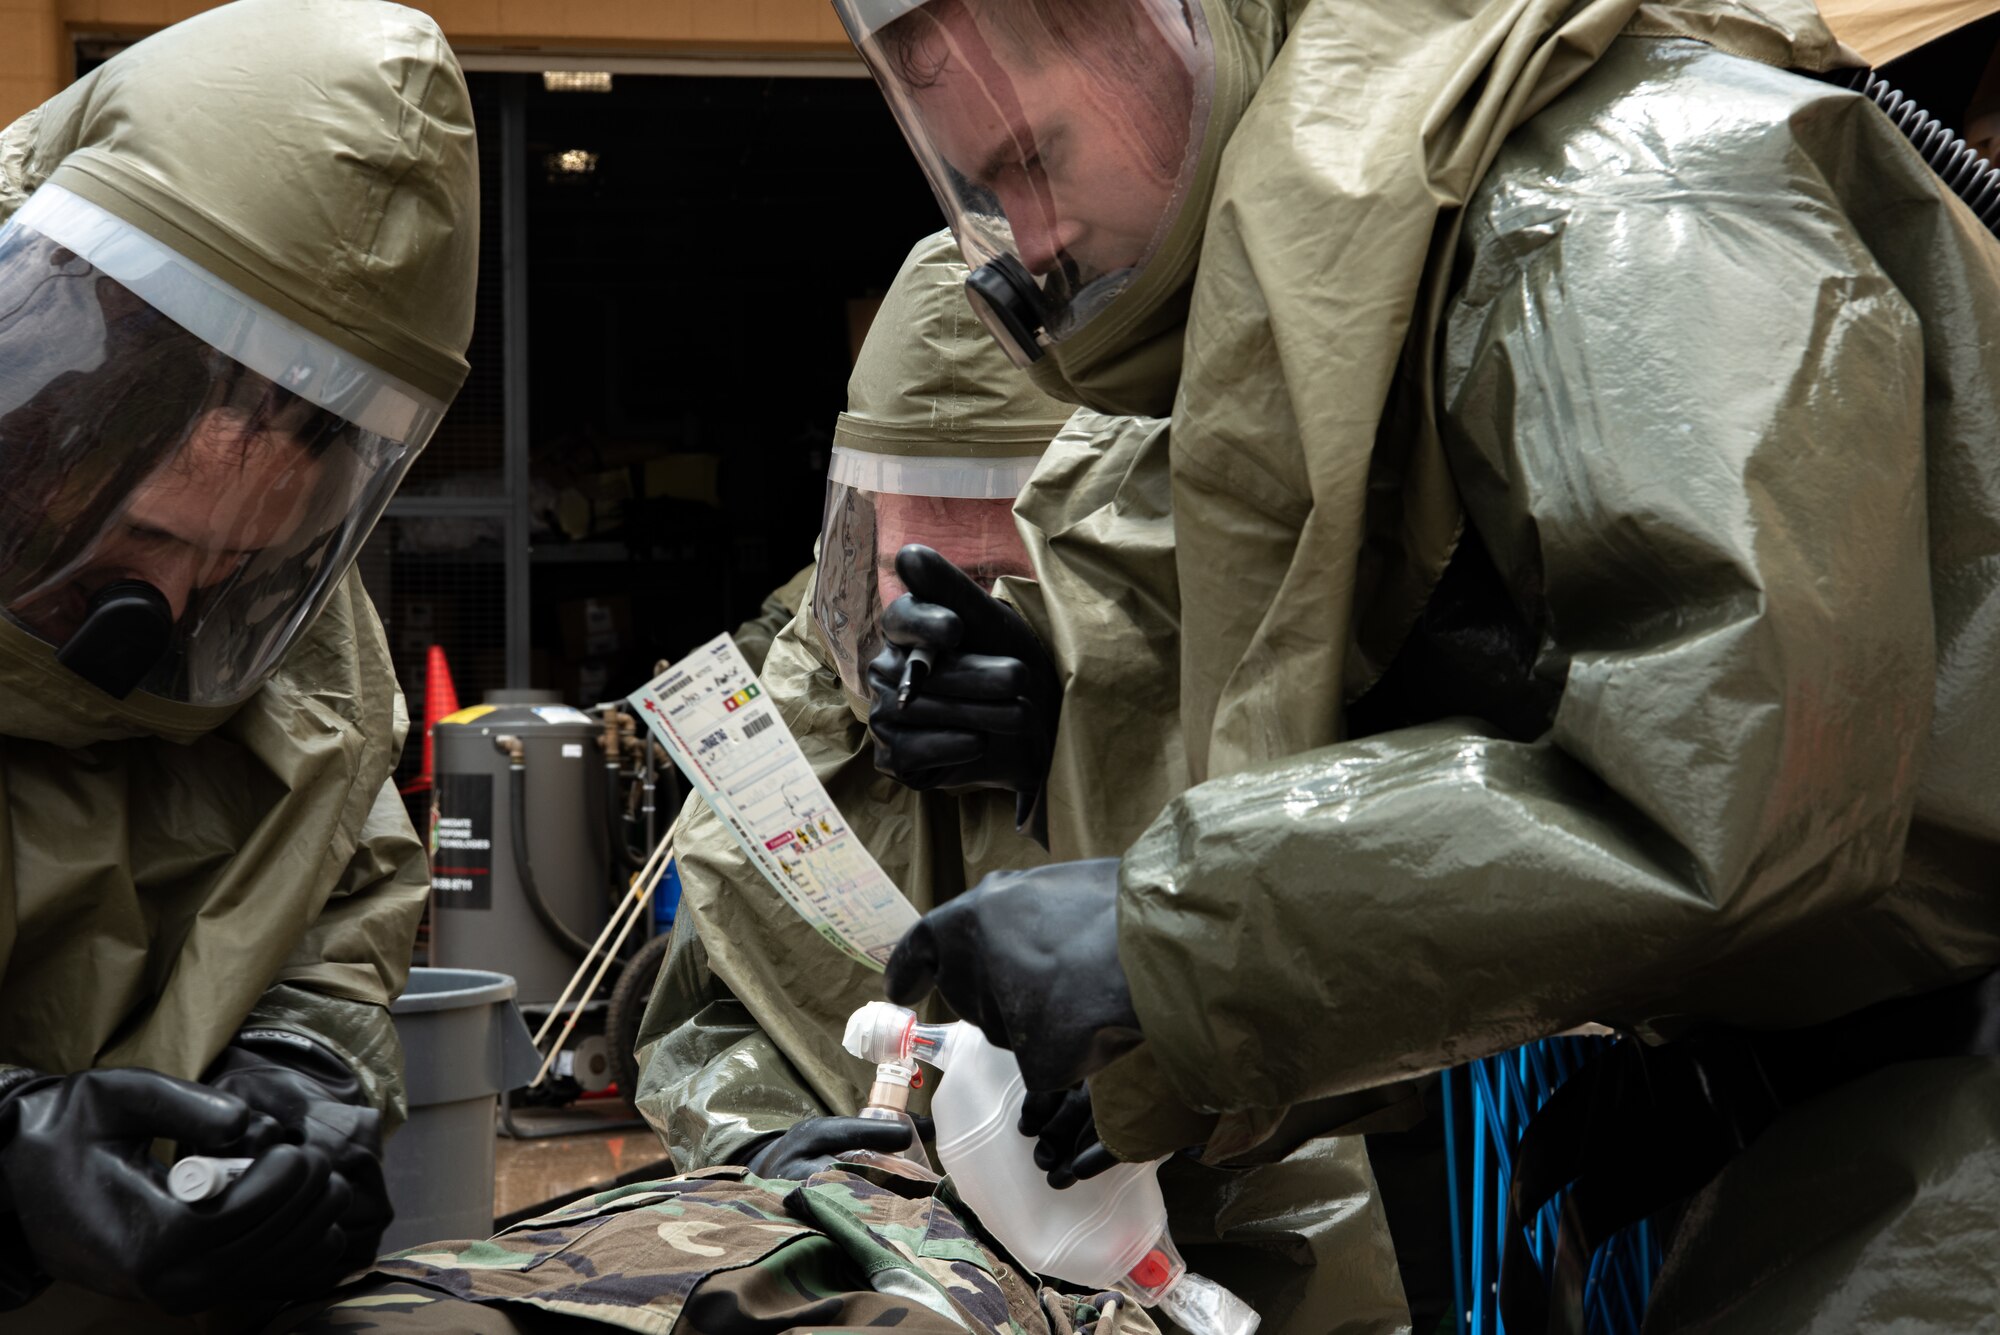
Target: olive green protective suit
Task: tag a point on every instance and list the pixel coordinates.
(1705, 376)
(743, 1034)
(169, 873)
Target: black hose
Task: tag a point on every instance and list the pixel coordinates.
(1964, 172)
(524, 872)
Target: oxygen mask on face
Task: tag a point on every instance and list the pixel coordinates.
(1108, 1232)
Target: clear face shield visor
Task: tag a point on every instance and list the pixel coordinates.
(185, 475)
(1061, 136)
(876, 504)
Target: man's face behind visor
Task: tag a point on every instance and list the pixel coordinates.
(1080, 154)
(1058, 132)
(979, 536)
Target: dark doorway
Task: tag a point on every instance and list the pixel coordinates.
(697, 257)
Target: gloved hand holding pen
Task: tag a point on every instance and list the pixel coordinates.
(984, 714)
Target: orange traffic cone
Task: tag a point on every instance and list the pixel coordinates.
(440, 703)
(440, 700)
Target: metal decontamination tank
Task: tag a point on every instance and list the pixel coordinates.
(519, 841)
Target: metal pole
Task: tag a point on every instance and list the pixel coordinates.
(514, 356)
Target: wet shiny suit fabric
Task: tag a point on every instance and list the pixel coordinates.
(1719, 388)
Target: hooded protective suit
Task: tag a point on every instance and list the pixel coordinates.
(743, 1035)
(1686, 366)
(173, 873)
(1758, 799)
(1750, 794)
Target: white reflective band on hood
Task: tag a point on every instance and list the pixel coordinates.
(905, 475)
(277, 349)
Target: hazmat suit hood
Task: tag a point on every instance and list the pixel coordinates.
(940, 435)
(928, 380)
(1313, 508)
(336, 192)
(1079, 203)
(174, 872)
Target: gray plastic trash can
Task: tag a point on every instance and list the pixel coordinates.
(463, 1043)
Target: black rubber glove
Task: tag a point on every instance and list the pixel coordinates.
(314, 1093)
(1031, 957)
(811, 1146)
(1065, 1132)
(92, 1203)
(985, 715)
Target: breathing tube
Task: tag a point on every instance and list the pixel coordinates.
(1969, 176)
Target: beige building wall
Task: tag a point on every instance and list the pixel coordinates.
(34, 55)
(36, 35)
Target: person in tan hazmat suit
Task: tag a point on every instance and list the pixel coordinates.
(1588, 545)
(741, 1066)
(939, 436)
(741, 1058)
(236, 285)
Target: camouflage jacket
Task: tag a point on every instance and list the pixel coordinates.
(725, 1253)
